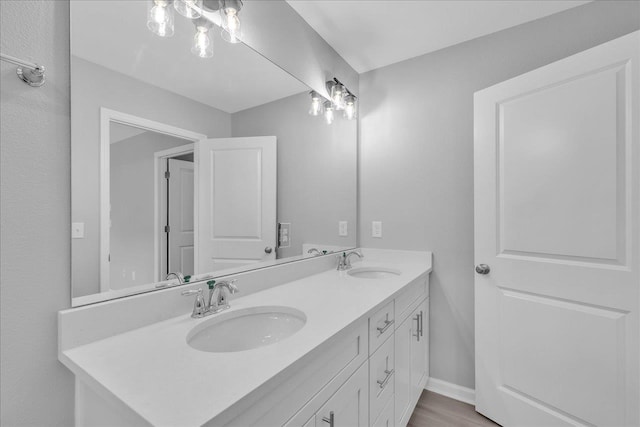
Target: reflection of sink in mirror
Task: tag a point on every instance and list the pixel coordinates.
(136, 115)
(246, 329)
(373, 272)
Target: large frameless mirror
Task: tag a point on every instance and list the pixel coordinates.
(192, 163)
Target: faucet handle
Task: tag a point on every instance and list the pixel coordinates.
(199, 306)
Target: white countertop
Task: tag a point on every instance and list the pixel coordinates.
(166, 382)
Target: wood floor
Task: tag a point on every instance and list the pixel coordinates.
(435, 410)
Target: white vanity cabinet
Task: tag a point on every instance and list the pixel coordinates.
(362, 364)
(411, 360)
(385, 389)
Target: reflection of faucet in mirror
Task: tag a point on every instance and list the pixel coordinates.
(178, 276)
(314, 251)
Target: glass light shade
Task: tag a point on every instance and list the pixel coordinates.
(202, 45)
(338, 93)
(231, 30)
(160, 18)
(350, 107)
(188, 8)
(316, 108)
(328, 112)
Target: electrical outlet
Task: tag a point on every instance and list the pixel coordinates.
(77, 230)
(343, 228)
(376, 229)
(284, 234)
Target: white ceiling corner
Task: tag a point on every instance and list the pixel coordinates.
(370, 34)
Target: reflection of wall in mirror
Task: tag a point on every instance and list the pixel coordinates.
(316, 170)
(93, 87)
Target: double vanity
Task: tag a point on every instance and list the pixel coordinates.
(302, 344)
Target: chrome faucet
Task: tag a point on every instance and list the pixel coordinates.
(344, 260)
(218, 295)
(178, 276)
(217, 298)
(314, 250)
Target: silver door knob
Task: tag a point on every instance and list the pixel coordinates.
(268, 250)
(482, 269)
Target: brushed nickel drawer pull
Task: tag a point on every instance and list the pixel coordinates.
(387, 323)
(386, 379)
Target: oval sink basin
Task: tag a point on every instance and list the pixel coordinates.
(373, 272)
(246, 329)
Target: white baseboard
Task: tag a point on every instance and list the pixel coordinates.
(454, 391)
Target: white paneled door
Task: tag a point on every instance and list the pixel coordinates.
(236, 203)
(557, 231)
(180, 216)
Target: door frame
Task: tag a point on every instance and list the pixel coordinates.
(159, 201)
(108, 116)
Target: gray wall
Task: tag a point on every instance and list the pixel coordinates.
(35, 212)
(35, 205)
(93, 87)
(416, 157)
(316, 169)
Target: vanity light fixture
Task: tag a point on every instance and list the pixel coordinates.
(317, 104)
(160, 17)
(328, 112)
(188, 8)
(231, 30)
(202, 43)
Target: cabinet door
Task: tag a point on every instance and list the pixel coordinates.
(404, 338)
(420, 350)
(349, 406)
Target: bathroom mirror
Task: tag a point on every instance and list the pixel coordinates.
(207, 166)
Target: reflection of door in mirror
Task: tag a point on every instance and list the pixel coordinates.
(180, 216)
(132, 236)
(236, 202)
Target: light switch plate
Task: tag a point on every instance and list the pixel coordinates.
(376, 229)
(77, 230)
(343, 228)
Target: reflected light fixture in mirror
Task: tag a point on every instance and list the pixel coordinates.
(160, 18)
(202, 43)
(328, 112)
(188, 8)
(317, 106)
(341, 99)
(231, 30)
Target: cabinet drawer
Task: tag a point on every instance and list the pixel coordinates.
(381, 326)
(348, 407)
(386, 416)
(409, 299)
(381, 378)
(310, 386)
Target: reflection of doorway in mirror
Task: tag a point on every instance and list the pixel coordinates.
(132, 240)
(179, 213)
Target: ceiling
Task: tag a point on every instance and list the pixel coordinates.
(114, 34)
(370, 34)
